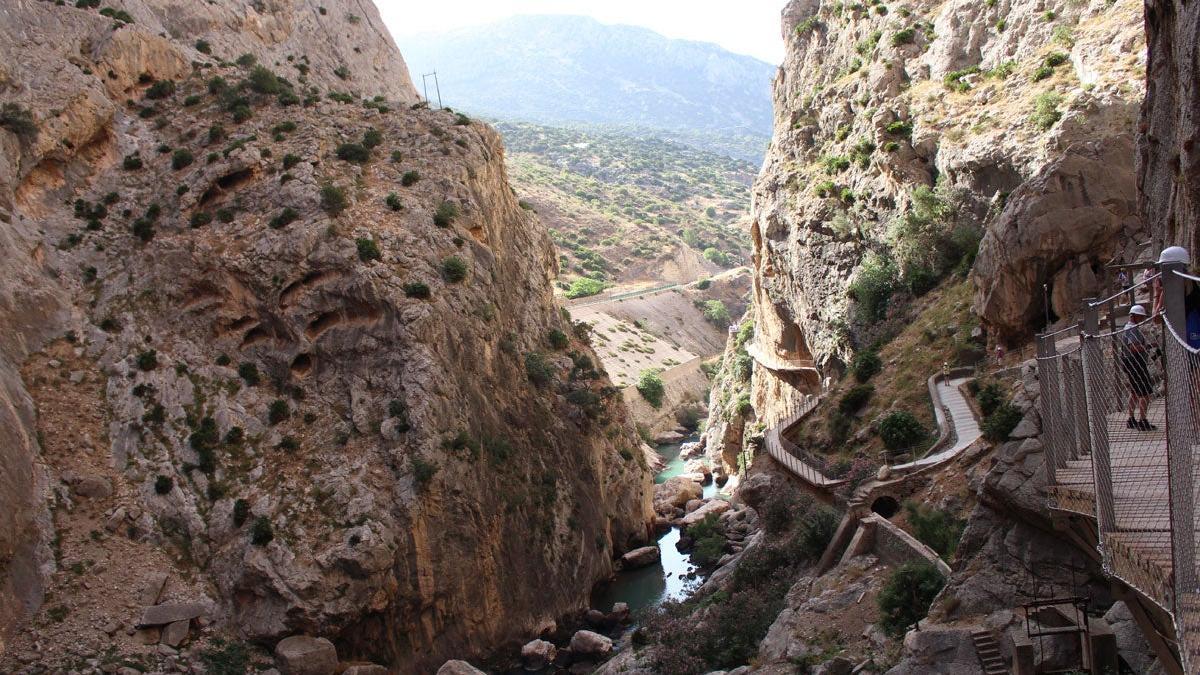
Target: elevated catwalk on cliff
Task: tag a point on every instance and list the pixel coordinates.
(1134, 477)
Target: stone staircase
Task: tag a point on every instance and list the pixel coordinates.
(989, 653)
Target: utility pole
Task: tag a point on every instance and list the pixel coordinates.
(436, 87)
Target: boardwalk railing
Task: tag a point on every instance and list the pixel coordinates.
(1121, 413)
(803, 464)
(773, 361)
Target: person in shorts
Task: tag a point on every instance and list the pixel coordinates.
(1135, 361)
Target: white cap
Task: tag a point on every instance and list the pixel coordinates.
(1174, 254)
(1138, 309)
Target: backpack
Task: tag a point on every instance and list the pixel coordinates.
(1193, 327)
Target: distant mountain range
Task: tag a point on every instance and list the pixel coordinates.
(568, 69)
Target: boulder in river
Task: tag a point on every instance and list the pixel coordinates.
(587, 643)
(620, 612)
(596, 618)
(675, 492)
(692, 505)
(712, 506)
(668, 437)
(691, 450)
(640, 557)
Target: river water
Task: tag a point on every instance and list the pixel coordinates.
(668, 579)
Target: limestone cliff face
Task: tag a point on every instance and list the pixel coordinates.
(1168, 159)
(292, 338)
(1010, 107)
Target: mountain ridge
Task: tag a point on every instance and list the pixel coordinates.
(570, 69)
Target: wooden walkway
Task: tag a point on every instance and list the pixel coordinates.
(1118, 478)
(768, 359)
(1137, 544)
(792, 457)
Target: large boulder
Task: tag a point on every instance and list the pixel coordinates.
(711, 507)
(640, 557)
(1077, 212)
(675, 493)
(170, 612)
(668, 437)
(538, 654)
(94, 487)
(304, 655)
(587, 643)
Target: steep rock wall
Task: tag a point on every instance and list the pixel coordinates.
(1168, 158)
(421, 456)
(873, 101)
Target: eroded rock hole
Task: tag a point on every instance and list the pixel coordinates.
(224, 184)
(886, 506)
(256, 335)
(302, 365)
(322, 323)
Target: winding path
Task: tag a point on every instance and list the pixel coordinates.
(961, 421)
(957, 421)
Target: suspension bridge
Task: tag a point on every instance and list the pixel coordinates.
(1120, 407)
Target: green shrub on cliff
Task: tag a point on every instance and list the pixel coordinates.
(262, 533)
(445, 214)
(856, 398)
(454, 269)
(900, 430)
(333, 199)
(423, 470)
(354, 153)
(816, 531)
(1045, 110)
(368, 250)
(905, 598)
(585, 286)
(873, 286)
(808, 25)
(650, 386)
(709, 542)
(715, 312)
(935, 528)
(997, 426)
(537, 369)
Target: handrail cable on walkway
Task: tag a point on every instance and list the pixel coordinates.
(1124, 291)
(1121, 416)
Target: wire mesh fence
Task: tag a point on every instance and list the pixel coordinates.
(1126, 413)
(1121, 416)
(1182, 359)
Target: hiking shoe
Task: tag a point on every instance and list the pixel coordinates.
(1132, 423)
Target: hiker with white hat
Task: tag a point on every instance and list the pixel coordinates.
(1135, 362)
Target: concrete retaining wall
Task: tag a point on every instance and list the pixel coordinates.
(683, 384)
(891, 545)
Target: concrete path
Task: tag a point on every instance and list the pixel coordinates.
(959, 416)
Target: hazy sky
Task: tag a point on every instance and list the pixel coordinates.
(746, 26)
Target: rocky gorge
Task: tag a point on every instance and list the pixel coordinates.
(285, 383)
(274, 330)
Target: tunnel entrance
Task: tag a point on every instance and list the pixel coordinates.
(886, 506)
